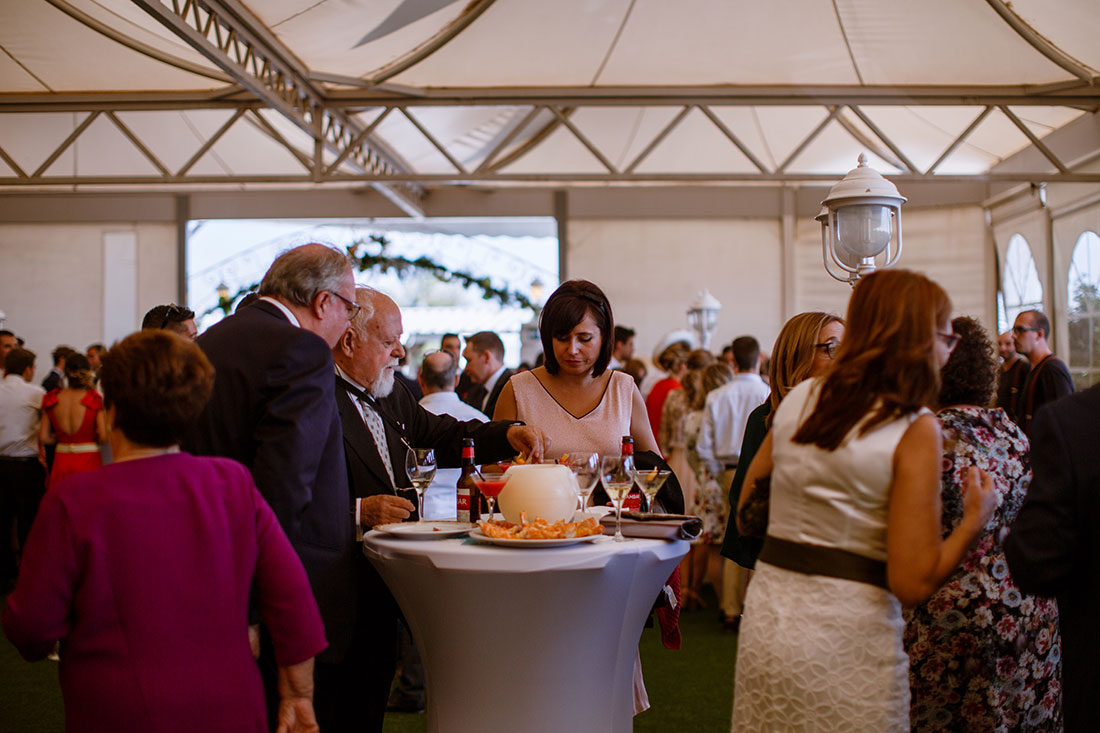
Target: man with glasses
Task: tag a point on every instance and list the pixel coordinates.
(178, 319)
(1049, 378)
(273, 408)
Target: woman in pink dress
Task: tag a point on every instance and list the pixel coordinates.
(145, 570)
(74, 421)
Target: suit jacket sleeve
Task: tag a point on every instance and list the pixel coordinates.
(1044, 542)
(289, 434)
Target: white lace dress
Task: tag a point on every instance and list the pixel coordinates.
(818, 653)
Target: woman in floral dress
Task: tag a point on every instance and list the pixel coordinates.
(982, 656)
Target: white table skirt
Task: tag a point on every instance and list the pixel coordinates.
(526, 640)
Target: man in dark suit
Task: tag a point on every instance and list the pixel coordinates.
(1053, 548)
(484, 356)
(381, 420)
(56, 377)
(273, 408)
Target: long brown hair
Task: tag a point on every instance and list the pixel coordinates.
(885, 367)
(793, 353)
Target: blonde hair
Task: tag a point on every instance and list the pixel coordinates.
(793, 354)
(714, 376)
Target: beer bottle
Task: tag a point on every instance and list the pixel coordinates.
(469, 498)
(633, 501)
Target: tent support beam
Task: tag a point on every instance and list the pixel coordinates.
(959, 140)
(1042, 45)
(1039, 145)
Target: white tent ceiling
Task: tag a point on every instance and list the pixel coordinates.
(409, 94)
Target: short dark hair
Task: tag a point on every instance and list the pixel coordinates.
(97, 348)
(166, 317)
(564, 309)
(1039, 321)
(448, 336)
(623, 334)
(6, 332)
(970, 375)
(487, 341)
(61, 352)
(440, 378)
(158, 383)
(746, 353)
(17, 360)
(78, 370)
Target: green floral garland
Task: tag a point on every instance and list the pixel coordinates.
(378, 261)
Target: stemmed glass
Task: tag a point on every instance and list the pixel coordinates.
(650, 482)
(420, 467)
(586, 469)
(617, 473)
(490, 480)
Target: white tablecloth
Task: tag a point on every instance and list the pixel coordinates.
(524, 639)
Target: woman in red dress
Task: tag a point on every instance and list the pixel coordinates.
(75, 421)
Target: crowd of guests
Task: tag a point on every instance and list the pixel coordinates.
(876, 524)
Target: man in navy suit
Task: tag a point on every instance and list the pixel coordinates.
(381, 420)
(484, 356)
(1053, 548)
(273, 408)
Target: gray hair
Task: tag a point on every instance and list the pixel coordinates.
(438, 372)
(301, 274)
(364, 296)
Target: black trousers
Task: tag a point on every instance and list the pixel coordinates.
(22, 484)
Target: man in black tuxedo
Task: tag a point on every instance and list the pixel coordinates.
(381, 420)
(484, 356)
(273, 408)
(1053, 548)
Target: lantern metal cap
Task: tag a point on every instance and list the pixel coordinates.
(704, 301)
(864, 185)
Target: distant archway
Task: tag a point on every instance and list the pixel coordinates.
(1083, 310)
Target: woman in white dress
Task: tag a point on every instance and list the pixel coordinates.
(854, 522)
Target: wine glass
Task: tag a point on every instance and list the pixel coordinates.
(420, 467)
(650, 481)
(586, 469)
(617, 473)
(490, 480)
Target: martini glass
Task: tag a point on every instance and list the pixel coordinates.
(420, 467)
(490, 480)
(617, 473)
(650, 482)
(586, 469)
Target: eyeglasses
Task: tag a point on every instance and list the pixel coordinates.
(172, 314)
(829, 347)
(950, 340)
(352, 306)
(1021, 330)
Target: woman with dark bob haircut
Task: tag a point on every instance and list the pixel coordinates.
(143, 570)
(982, 655)
(578, 403)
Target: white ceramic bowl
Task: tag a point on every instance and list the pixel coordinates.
(545, 491)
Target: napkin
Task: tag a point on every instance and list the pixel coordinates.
(656, 526)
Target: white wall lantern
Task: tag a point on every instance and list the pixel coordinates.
(860, 219)
(703, 317)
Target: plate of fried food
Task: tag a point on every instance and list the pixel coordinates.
(538, 533)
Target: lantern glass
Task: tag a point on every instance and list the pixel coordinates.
(863, 230)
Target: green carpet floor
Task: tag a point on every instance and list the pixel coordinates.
(690, 689)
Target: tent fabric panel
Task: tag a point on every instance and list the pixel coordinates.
(836, 151)
(102, 150)
(245, 150)
(696, 146)
(621, 133)
(707, 42)
(525, 43)
(70, 57)
(781, 129)
(15, 78)
(173, 137)
(940, 42)
(560, 152)
(326, 35)
(1071, 25)
(31, 137)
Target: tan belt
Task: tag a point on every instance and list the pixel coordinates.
(78, 448)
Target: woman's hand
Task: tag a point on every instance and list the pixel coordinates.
(980, 499)
(296, 716)
(528, 440)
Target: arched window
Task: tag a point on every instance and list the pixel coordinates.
(1020, 285)
(1083, 298)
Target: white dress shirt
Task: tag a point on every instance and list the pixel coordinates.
(20, 414)
(286, 311)
(725, 414)
(378, 434)
(448, 403)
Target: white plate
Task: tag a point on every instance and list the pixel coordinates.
(480, 536)
(426, 530)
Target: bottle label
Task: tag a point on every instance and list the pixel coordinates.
(468, 452)
(463, 513)
(632, 503)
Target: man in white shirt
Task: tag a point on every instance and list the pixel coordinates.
(484, 356)
(438, 377)
(725, 413)
(22, 475)
(623, 349)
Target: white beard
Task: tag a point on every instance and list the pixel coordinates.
(383, 386)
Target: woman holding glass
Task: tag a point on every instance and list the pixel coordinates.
(854, 528)
(145, 570)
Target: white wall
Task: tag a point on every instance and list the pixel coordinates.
(653, 269)
(52, 282)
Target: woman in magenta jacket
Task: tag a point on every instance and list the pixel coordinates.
(144, 569)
